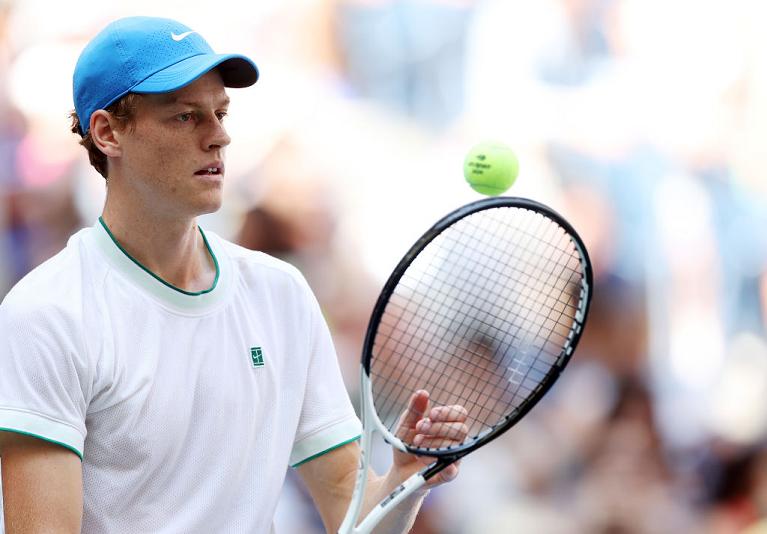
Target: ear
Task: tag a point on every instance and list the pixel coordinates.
(104, 135)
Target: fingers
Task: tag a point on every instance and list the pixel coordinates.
(419, 403)
(444, 426)
(435, 435)
(430, 428)
(455, 412)
(438, 427)
(448, 474)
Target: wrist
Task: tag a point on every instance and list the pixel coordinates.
(397, 476)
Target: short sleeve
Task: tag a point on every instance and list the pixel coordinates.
(41, 375)
(327, 418)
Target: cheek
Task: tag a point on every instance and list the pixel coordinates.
(160, 155)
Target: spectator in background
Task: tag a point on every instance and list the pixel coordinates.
(408, 55)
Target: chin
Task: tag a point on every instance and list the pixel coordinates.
(209, 205)
(212, 208)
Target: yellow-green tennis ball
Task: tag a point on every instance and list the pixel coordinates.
(490, 168)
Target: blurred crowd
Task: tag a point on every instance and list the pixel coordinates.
(641, 121)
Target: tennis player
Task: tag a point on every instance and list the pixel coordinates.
(153, 376)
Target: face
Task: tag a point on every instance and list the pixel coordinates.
(173, 158)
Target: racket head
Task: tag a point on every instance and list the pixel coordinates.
(484, 310)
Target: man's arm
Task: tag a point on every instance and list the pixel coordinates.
(330, 478)
(42, 486)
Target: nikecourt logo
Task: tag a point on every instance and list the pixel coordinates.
(181, 36)
(257, 356)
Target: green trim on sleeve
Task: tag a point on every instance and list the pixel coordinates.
(334, 447)
(171, 286)
(30, 434)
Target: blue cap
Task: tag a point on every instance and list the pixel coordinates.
(148, 55)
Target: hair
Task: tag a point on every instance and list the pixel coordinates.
(124, 111)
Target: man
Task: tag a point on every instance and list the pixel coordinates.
(155, 377)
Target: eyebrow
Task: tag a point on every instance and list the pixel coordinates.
(170, 98)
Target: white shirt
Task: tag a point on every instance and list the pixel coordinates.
(186, 409)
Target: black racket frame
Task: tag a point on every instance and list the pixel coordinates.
(451, 454)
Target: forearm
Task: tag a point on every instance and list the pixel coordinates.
(331, 478)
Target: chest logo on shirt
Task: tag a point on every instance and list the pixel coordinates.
(257, 356)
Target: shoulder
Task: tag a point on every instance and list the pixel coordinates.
(52, 291)
(257, 267)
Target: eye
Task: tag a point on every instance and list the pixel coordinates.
(184, 117)
(221, 115)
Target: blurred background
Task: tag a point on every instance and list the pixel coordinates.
(642, 121)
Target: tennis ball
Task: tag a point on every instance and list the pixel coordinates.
(490, 168)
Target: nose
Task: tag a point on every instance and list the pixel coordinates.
(216, 136)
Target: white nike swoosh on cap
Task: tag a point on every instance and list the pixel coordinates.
(181, 36)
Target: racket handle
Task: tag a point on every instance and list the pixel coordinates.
(401, 492)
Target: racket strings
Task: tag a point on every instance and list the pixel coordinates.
(479, 302)
(472, 359)
(459, 394)
(485, 304)
(485, 370)
(482, 305)
(491, 247)
(479, 319)
(486, 411)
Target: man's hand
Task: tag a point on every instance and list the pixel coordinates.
(438, 426)
(330, 477)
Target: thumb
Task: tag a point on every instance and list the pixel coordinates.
(419, 403)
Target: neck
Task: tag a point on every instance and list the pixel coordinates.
(172, 248)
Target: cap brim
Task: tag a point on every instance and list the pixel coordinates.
(236, 71)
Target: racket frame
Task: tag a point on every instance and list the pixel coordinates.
(448, 455)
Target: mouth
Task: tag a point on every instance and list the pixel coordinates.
(213, 170)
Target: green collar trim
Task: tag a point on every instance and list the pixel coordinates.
(167, 284)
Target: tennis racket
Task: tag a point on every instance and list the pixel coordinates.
(484, 311)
